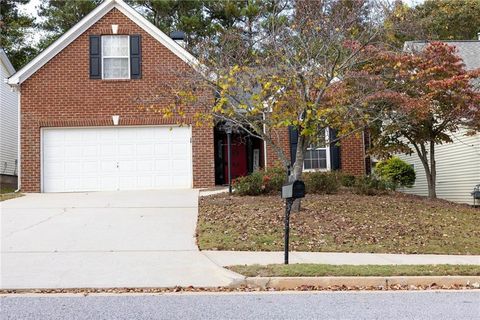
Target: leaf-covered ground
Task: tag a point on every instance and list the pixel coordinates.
(344, 222)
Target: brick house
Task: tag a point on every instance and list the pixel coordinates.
(81, 129)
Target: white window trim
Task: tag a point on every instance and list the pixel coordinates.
(327, 151)
(118, 57)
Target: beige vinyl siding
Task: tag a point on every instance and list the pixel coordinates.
(8, 125)
(458, 169)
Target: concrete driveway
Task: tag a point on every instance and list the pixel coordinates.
(103, 240)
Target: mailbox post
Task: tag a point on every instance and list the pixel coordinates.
(290, 192)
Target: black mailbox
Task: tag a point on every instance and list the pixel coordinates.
(293, 190)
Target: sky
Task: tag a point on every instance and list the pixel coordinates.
(31, 7)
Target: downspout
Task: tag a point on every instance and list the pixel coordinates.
(19, 149)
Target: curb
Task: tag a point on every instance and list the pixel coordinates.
(289, 283)
(256, 284)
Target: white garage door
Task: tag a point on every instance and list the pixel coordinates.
(116, 158)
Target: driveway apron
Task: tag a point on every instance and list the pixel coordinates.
(104, 240)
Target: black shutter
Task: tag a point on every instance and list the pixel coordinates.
(334, 150)
(95, 57)
(135, 57)
(293, 133)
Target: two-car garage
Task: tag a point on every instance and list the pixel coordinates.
(116, 158)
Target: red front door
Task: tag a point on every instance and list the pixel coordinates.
(239, 157)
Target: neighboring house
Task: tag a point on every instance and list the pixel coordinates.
(81, 129)
(8, 125)
(458, 163)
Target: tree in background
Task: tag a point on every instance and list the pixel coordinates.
(173, 15)
(14, 29)
(60, 15)
(425, 95)
(203, 19)
(450, 19)
(401, 25)
(197, 18)
(433, 20)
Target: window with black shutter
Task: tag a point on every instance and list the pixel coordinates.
(115, 57)
(95, 57)
(135, 56)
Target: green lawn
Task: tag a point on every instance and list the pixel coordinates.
(323, 270)
(7, 193)
(344, 222)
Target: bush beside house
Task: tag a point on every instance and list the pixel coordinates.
(396, 173)
(271, 181)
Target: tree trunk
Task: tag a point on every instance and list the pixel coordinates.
(429, 164)
(432, 191)
(296, 173)
(299, 156)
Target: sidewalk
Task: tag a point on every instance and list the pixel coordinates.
(228, 258)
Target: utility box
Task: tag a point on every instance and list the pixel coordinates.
(293, 190)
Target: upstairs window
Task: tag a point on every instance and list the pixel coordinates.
(115, 57)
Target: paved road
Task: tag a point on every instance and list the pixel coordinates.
(321, 305)
(104, 239)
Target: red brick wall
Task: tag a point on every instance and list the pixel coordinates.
(281, 138)
(61, 94)
(352, 155)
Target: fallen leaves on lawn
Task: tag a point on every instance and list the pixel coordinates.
(392, 223)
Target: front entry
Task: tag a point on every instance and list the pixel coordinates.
(239, 157)
(247, 155)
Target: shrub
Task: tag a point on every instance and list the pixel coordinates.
(251, 185)
(321, 182)
(369, 186)
(347, 180)
(274, 178)
(396, 173)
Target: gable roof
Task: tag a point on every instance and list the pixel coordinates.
(86, 23)
(6, 62)
(468, 50)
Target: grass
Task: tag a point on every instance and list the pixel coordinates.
(7, 193)
(324, 270)
(343, 222)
